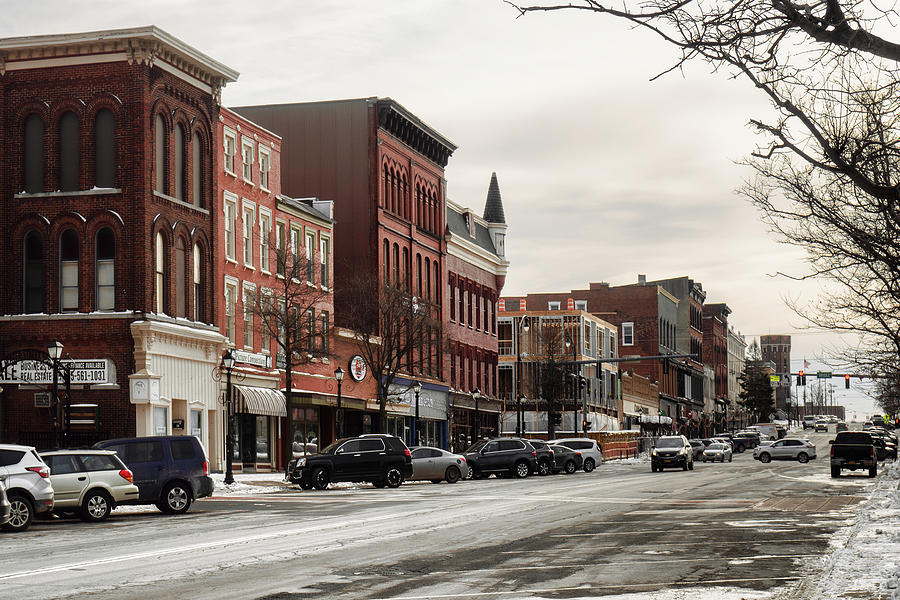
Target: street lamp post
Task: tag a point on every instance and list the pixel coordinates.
(523, 327)
(339, 376)
(54, 349)
(228, 362)
(475, 396)
(520, 420)
(417, 387)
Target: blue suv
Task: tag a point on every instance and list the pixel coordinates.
(170, 471)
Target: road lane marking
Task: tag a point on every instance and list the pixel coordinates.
(654, 543)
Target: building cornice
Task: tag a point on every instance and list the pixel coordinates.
(474, 254)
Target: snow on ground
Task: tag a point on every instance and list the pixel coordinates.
(678, 593)
(250, 484)
(639, 460)
(865, 562)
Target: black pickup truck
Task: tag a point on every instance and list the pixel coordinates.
(853, 450)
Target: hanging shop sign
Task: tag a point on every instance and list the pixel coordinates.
(357, 368)
(36, 372)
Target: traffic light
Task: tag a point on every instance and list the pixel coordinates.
(556, 418)
(847, 381)
(585, 425)
(800, 378)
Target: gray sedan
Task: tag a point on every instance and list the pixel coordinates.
(436, 465)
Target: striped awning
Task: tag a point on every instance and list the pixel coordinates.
(259, 401)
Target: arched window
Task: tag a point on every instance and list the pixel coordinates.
(34, 154)
(105, 269)
(387, 262)
(198, 283)
(427, 279)
(418, 275)
(160, 266)
(69, 139)
(405, 268)
(404, 201)
(197, 170)
(179, 162)
(396, 265)
(437, 283)
(105, 149)
(34, 273)
(180, 277)
(68, 271)
(159, 175)
(387, 187)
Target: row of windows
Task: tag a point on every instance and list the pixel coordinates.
(161, 180)
(69, 271)
(469, 372)
(248, 148)
(193, 264)
(397, 272)
(423, 207)
(69, 151)
(473, 308)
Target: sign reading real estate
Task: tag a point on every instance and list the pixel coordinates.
(39, 372)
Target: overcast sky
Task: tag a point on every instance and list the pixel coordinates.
(604, 174)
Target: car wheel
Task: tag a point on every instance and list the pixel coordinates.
(452, 475)
(436, 480)
(764, 457)
(589, 465)
(835, 472)
(691, 466)
(570, 467)
(543, 467)
(652, 468)
(176, 499)
(873, 471)
(803, 457)
(739, 449)
(320, 478)
(521, 469)
(729, 458)
(305, 484)
(95, 507)
(470, 473)
(21, 513)
(393, 477)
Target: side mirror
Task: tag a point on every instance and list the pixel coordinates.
(830, 441)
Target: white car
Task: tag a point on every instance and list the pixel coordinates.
(28, 485)
(89, 483)
(589, 449)
(786, 449)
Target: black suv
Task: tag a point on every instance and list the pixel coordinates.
(170, 471)
(544, 455)
(745, 440)
(379, 458)
(672, 451)
(502, 456)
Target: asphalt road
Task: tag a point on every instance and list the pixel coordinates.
(618, 530)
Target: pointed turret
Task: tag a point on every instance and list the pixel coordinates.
(493, 207)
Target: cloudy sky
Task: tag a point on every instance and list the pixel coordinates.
(604, 174)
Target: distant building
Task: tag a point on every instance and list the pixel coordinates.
(715, 357)
(777, 350)
(737, 349)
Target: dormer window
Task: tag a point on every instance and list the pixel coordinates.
(500, 242)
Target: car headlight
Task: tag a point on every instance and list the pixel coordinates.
(301, 462)
(682, 451)
(653, 453)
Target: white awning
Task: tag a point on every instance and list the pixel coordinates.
(656, 419)
(259, 401)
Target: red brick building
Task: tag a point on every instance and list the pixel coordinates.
(476, 271)
(106, 207)
(384, 169)
(777, 350)
(715, 356)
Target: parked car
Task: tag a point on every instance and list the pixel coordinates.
(672, 451)
(502, 456)
(698, 447)
(89, 483)
(565, 459)
(717, 452)
(721, 440)
(589, 449)
(742, 440)
(436, 465)
(841, 426)
(786, 449)
(4, 502)
(545, 459)
(809, 421)
(883, 447)
(28, 486)
(169, 471)
(383, 460)
(853, 450)
(821, 425)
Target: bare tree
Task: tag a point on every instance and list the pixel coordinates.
(394, 330)
(756, 386)
(551, 374)
(293, 313)
(826, 173)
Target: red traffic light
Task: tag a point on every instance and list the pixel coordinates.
(801, 373)
(847, 381)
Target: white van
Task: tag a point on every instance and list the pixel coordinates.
(809, 421)
(769, 429)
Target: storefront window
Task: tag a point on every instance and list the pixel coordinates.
(306, 430)
(262, 439)
(160, 420)
(197, 423)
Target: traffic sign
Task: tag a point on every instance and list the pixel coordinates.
(823, 374)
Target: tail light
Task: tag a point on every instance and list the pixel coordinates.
(462, 458)
(126, 475)
(406, 452)
(205, 468)
(578, 454)
(533, 453)
(42, 471)
(551, 451)
(832, 451)
(871, 452)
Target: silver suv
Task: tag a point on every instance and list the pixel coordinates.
(589, 449)
(89, 483)
(27, 485)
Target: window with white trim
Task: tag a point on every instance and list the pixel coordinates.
(248, 217)
(267, 299)
(230, 145)
(280, 245)
(247, 158)
(628, 334)
(247, 299)
(293, 259)
(553, 305)
(265, 163)
(323, 261)
(310, 252)
(230, 210)
(581, 305)
(265, 229)
(231, 286)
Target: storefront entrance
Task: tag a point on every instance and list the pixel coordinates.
(254, 443)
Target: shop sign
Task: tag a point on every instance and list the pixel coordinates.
(251, 358)
(357, 368)
(40, 372)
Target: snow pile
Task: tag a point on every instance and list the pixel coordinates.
(866, 559)
(250, 484)
(644, 459)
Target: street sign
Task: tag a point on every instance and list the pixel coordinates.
(40, 372)
(42, 399)
(823, 374)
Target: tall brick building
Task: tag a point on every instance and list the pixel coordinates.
(715, 348)
(384, 169)
(107, 224)
(777, 350)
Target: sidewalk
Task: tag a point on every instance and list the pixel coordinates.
(251, 484)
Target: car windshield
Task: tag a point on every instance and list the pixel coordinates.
(669, 443)
(330, 449)
(716, 446)
(476, 446)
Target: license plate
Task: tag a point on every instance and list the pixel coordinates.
(851, 462)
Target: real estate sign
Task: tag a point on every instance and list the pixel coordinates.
(38, 372)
